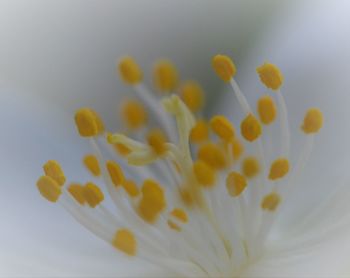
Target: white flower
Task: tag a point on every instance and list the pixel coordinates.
(273, 263)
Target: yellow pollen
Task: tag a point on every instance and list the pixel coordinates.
(115, 173)
(180, 214)
(49, 188)
(205, 175)
(224, 67)
(131, 188)
(174, 226)
(152, 202)
(237, 149)
(53, 169)
(124, 240)
(192, 95)
(156, 139)
(213, 155)
(267, 110)
(250, 167)
(222, 127)
(270, 76)
(251, 128)
(279, 168)
(88, 122)
(271, 201)
(200, 132)
(121, 149)
(76, 190)
(91, 163)
(165, 76)
(313, 121)
(134, 114)
(130, 71)
(92, 194)
(235, 184)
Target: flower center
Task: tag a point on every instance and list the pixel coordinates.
(192, 195)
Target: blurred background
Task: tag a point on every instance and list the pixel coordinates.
(56, 56)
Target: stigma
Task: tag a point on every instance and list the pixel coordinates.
(193, 194)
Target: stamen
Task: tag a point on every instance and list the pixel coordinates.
(222, 127)
(115, 173)
(267, 110)
(271, 201)
(270, 75)
(134, 114)
(279, 168)
(180, 214)
(122, 149)
(313, 121)
(53, 169)
(165, 76)
(205, 175)
(237, 149)
(152, 202)
(76, 190)
(49, 188)
(131, 188)
(224, 67)
(157, 140)
(235, 184)
(124, 240)
(91, 163)
(251, 128)
(200, 132)
(192, 95)
(92, 194)
(250, 167)
(213, 155)
(88, 122)
(130, 71)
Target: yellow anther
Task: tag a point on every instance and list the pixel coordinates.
(122, 149)
(130, 71)
(88, 122)
(192, 95)
(49, 188)
(134, 114)
(165, 76)
(92, 194)
(53, 169)
(251, 128)
(222, 127)
(279, 168)
(125, 241)
(235, 184)
(250, 167)
(213, 155)
(205, 174)
(157, 139)
(179, 214)
(186, 197)
(267, 109)
(271, 201)
(313, 121)
(152, 202)
(76, 190)
(224, 67)
(200, 132)
(115, 172)
(237, 149)
(131, 188)
(270, 76)
(91, 163)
